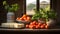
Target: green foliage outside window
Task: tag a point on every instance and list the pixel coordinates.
(30, 6)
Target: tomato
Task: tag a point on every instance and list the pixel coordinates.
(28, 18)
(34, 25)
(24, 15)
(18, 18)
(46, 26)
(42, 26)
(34, 22)
(31, 26)
(24, 18)
(37, 26)
(31, 23)
(27, 26)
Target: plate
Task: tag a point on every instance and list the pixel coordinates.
(12, 25)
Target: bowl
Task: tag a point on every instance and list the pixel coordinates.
(22, 21)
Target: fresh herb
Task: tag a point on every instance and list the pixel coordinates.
(45, 13)
(10, 8)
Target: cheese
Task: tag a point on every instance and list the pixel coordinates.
(13, 25)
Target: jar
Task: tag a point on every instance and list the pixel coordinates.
(10, 17)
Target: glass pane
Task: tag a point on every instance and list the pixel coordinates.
(30, 6)
(44, 3)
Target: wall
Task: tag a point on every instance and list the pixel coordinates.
(56, 6)
(2, 13)
(58, 11)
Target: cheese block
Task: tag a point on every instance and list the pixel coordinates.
(13, 25)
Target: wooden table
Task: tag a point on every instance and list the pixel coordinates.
(7, 30)
(21, 31)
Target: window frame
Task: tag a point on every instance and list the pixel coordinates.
(37, 6)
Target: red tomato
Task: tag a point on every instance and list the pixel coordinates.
(42, 26)
(31, 26)
(39, 24)
(34, 22)
(31, 23)
(28, 18)
(18, 18)
(24, 18)
(34, 25)
(27, 26)
(37, 27)
(46, 26)
(24, 15)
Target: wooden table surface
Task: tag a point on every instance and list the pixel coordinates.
(21, 31)
(30, 30)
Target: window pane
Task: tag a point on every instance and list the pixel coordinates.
(44, 3)
(30, 6)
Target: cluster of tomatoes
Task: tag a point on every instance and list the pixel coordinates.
(36, 25)
(24, 18)
(33, 24)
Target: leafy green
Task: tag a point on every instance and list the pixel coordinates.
(45, 13)
(10, 8)
(36, 16)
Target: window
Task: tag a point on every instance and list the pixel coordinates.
(30, 5)
(44, 3)
(33, 4)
